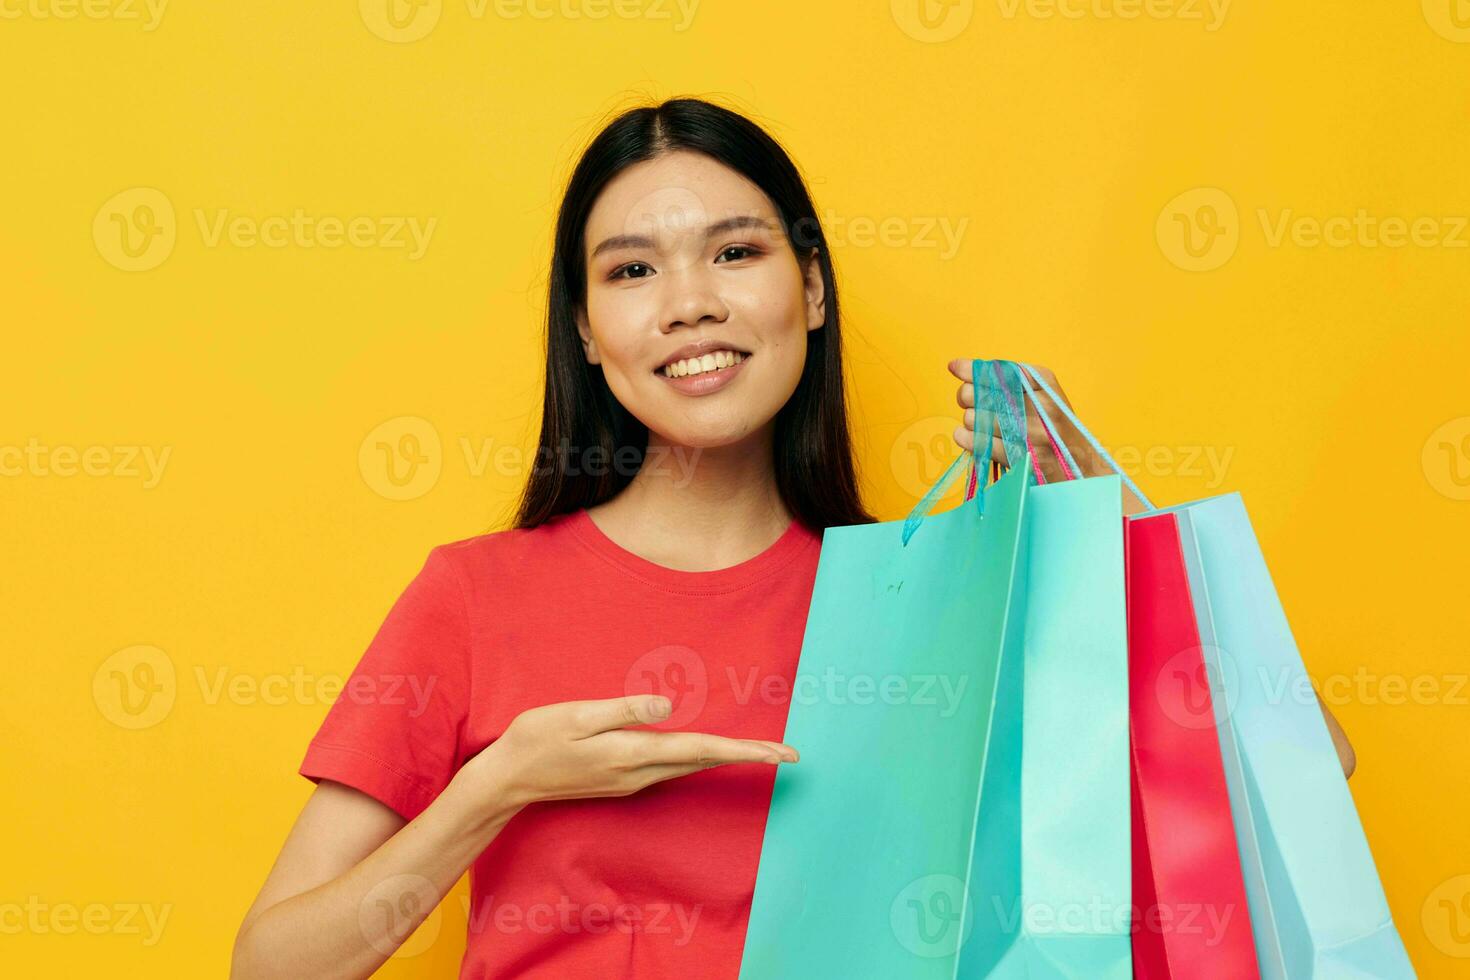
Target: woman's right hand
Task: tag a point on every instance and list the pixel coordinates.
(577, 749)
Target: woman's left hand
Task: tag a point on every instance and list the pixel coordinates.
(1051, 465)
(1091, 465)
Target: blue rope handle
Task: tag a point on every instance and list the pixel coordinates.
(1009, 399)
(992, 407)
(1091, 440)
(979, 458)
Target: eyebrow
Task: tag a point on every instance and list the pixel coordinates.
(643, 241)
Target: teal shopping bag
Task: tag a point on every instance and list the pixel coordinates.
(1317, 907)
(899, 847)
(868, 847)
(1071, 917)
(1061, 904)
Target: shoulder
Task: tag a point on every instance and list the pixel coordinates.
(506, 556)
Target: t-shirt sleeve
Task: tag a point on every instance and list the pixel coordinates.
(396, 728)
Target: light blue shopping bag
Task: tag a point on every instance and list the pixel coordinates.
(1317, 907)
(1064, 908)
(971, 837)
(1316, 904)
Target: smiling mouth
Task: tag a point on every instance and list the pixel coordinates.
(710, 363)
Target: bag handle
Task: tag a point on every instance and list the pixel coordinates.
(1016, 401)
(1002, 403)
(1070, 416)
(1070, 469)
(1013, 415)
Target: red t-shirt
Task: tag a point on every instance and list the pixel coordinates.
(657, 884)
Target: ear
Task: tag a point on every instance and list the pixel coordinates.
(816, 292)
(589, 343)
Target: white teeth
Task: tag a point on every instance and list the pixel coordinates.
(712, 361)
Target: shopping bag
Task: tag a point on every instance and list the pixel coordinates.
(1194, 923)
(1316, 904)
(1065, 908)
(993, 842)
(1317, 907)
(1069, 883)
(868, 843)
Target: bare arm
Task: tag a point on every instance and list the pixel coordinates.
(1345, 753)
(353, 880)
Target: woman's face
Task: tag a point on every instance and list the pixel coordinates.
(681, 250)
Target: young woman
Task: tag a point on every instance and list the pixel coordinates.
(590, 704)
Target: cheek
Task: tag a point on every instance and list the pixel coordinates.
(777, 317)
(772, 302)
(617, 320)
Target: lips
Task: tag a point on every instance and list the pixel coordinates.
(698, 348)
(706, 382)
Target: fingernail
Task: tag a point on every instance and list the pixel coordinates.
(660, 707)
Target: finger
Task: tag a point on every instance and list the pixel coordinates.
(663, 748)
(646, 775)
(965, 437)
(649, 775)
(1047, 373)
(964, 396)
(1040, 437)
(967, 418)
(636, 748)
(1050, 378)
(1047, 402)
(592, 717)
(963, 369)
(640, 779)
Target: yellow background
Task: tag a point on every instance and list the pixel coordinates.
(1331, 376)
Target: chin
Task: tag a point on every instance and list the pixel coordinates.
(713, 436)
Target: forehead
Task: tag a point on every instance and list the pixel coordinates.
(670, 193)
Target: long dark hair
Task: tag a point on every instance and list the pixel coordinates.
(815, 473)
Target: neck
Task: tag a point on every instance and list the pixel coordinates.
(699, 509)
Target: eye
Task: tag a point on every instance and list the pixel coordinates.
(746, 249)
(618, 272)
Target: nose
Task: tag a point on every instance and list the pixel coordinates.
(692, 297)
